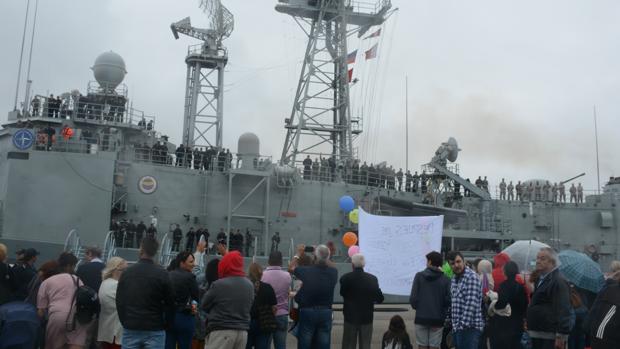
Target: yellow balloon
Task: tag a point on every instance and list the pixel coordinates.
(354, 216)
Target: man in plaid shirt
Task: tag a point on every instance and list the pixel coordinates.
(466, 310)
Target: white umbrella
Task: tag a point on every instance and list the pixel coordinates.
(523, 252)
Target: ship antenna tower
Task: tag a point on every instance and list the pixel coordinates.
(204, 89)
(320, 121)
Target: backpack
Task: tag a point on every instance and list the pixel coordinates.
(19, 325)
(86, 302)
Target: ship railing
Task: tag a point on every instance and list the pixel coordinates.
(166, 254)
(73, 244)
(546, 196)
(95, 87)
(77, 143)
(359, 6)
(113, 114)
(291, 249)
(109, 246)
(201, 50)
(368, 7)
(323, 174)
(106, 110)
(199, 161)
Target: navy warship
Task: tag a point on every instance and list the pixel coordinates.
(72, 164)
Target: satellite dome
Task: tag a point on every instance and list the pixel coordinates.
(109, 70)
(248, 144)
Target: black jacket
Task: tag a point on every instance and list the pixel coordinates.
(90, 273)
(510, 293)
(6, 285)
(549, 309)
(144, 297)
(603, 321)
(185, 288)
(360, 292)
(22, 274)
(430, 297)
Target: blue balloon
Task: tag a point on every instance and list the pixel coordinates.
(347, 204)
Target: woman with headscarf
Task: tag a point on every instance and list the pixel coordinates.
(186, 295)
(485, 269)
(110, 331)
(508, 311)
(263, 310)
(56, 298)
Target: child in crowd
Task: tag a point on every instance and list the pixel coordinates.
(396, 336)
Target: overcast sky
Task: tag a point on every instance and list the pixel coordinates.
(514, 82)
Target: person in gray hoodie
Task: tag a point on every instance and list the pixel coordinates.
(228, 303)
(430, 297)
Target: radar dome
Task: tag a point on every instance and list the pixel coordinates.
(248, 144)
(109, 70)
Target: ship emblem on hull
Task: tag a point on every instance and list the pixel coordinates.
(23, 139)
(147, 184)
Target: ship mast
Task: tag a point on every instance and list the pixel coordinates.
(320, 122)
(204, 88)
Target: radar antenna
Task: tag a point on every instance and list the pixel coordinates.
(320, 113)
(204, 88)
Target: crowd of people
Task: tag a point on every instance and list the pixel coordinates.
(198, 158)
(539, 191)
(351, 171)
(217, 304)
(128, 234)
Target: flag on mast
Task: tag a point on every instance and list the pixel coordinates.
(372, 53)
(351, 57)
(350, 74)
(374, 35)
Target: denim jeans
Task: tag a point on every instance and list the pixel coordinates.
(315, 328)
(467, 338)
(181, 332)
(256, 338)
(133, 339)
(279, 336)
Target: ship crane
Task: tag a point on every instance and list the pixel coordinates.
(204, 88)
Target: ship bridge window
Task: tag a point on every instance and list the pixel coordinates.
(607, 219)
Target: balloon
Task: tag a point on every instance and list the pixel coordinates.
(349, 239)
(354, 216)
(347, 203)
(353, 250)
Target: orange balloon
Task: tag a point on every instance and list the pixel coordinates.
(349, 239)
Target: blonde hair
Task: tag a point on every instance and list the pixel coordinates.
(113, 264)
(2, 252)
(614, 267)
(255, 272)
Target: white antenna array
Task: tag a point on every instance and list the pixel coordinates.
(222, 21)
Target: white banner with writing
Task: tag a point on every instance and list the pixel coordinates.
(395, 248)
